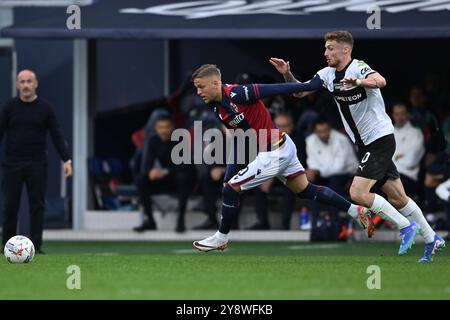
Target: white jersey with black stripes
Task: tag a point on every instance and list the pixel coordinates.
(362, 110)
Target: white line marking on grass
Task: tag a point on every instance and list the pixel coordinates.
(311, 292)
(315, 246)
(138, 292)
(102, 253)
(184, 251)
(269, 293)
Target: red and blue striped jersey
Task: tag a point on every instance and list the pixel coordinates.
(241, 108)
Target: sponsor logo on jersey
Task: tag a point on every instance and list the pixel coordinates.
(351, 96)
(355, 97)
(236, 120)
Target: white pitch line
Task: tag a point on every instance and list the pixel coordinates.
(184, 250)
(315, 246)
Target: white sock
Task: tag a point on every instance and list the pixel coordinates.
(353, 211)
(386, 211)
(412, 210)
(221, 236)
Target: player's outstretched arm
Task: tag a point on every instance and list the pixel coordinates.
(373, 81)
(284, 68)
(246, 94)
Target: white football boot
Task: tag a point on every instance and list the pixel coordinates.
(211, 243)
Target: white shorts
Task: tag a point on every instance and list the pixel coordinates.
(281, 163)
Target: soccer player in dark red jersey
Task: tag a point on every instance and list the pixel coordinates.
(240, 107)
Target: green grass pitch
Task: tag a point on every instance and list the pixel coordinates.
(247, 270)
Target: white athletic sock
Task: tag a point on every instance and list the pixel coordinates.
(221, 236)
(353, 211)
(386, 211)
(412, 210)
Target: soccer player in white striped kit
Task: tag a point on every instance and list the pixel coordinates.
(356, 90)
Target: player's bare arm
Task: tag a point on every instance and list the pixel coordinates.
(284, 68)
(373, 81)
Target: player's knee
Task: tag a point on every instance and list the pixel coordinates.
(230, 194)
(227, 187)
(300, 187)
(359, 195)
(297, 184)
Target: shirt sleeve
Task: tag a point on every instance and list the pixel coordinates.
(61, 145)
(3, 121)
(362, 70)
(247, 94)
(342, 160)
(311, 160)
(416, 150)
(323, 74)
(148, 154)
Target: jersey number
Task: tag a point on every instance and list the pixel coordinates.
(366, 157)
(243, 171)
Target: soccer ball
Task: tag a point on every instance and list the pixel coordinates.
(19, 249)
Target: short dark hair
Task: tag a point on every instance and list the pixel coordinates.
(400, 104)
(321, 120)
(340, 36)
(164, 117)
(285, 114)
(206, 70)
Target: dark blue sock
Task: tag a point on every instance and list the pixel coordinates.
(325, 195)
(230, 208)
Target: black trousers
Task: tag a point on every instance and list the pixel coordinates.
(180, 183)
(211, 191)
(34, 176)
(286, 207)
(338, 183)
